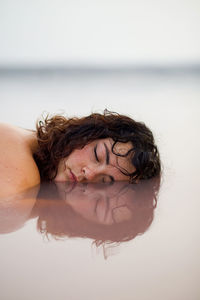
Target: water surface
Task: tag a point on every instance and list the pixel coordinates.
(162, 260)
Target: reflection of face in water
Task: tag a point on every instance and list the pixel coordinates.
(99, 203)
(105, 213)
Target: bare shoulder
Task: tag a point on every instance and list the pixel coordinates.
(18, 170)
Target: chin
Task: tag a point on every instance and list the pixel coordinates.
(61, 178)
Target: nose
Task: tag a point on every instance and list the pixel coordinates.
(90, 174)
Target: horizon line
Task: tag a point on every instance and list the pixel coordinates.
(132, 68)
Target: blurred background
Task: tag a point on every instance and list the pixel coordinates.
(98, 33)
(133, 57)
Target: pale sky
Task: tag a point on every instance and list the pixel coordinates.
(99, 32)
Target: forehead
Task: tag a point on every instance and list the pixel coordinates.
(120, 159)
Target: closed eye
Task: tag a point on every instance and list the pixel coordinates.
(108, 179)
(95, 153)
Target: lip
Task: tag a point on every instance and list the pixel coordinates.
(73, 177)
(70, 187)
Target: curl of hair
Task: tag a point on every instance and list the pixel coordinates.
(58, 137)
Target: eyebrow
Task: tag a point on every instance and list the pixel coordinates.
(107, 154)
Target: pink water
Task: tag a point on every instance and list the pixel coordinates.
(161, 258)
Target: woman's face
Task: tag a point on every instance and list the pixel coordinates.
(95, 162)
(103, 204)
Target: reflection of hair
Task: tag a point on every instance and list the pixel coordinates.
(58, 137)
(57, 218)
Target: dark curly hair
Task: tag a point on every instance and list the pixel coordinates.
(58, 136)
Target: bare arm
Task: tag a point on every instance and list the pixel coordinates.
(18, 170)
(15, 210)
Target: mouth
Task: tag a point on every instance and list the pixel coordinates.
(70, 187)
(73, 177)
(65, 188)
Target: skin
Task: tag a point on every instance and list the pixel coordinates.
(98, 203)
(96, 163)
(15, 210)
(18, 170)
(93, 163)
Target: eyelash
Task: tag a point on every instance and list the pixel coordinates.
(97, 159)
(110, 181)
(95, 153)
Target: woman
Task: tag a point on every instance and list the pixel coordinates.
(97, 148)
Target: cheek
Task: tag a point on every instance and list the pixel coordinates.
(126, 164)
(122, 214)
(116, 173)
(78, 157)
